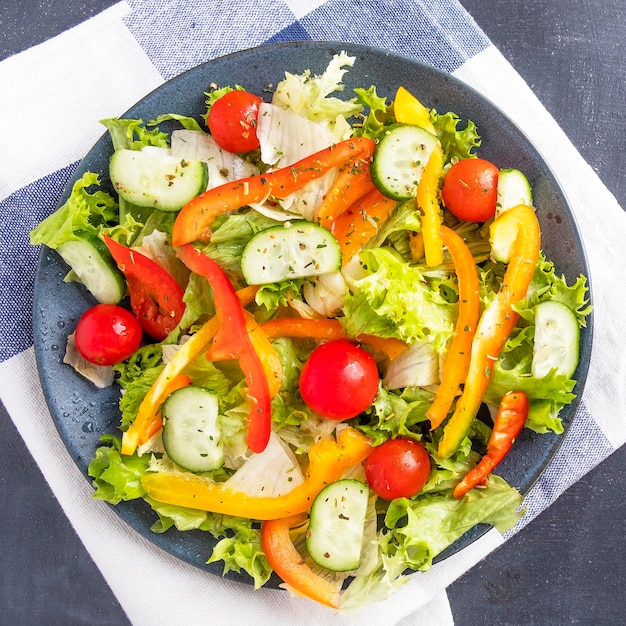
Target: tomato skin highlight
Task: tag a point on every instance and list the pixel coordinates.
(107, 334)
(339, 380)
(470, 190)
(232, 121)
(398, 468)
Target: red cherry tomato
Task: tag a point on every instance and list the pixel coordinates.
(107, 334)
(470, 190)
(339, 380)
(398, 468)
(232, 121)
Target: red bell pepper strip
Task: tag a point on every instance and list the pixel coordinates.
(496, 323)
(286, 561)
(509, 423)
(458, 359)
(155, 297)
(232, 342)
(327, 461)
(195, 218)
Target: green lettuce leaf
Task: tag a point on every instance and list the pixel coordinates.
(133, 135)
(379, 116)
(88, 209)
(391, 298)
(456, 142)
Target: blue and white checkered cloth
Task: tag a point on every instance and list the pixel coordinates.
(104, 65)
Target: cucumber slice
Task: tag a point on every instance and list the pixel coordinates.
(557, 339)
(92, 262)
(191, 430)
(399, 160)
(154, 178)
(513, 189)
(293, 250)
(335, 534)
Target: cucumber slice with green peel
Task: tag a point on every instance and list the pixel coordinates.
(296, 249)
(557, 339)
(337, 522)
(513, 189)
(154, 178)
(191, 430)
(92, 262)
(400, 158)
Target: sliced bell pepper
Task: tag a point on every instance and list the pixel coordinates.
(195, 218)
(267, 354)
(149, 413)
(353, 182)
(509, 423)
(408, 109)
(286, 561)
(496, 323)
(232, 342)
(155, 297)
(457, 361)
(327, 461)
(327, 329)
(428, 206)
(360, 222)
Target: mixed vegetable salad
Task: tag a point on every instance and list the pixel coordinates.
(329, 320)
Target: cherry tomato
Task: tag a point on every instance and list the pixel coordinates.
(470, 190)
(339, 380)
(232, 121)
(398, 468)
(107, 334)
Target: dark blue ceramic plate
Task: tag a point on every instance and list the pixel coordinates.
(82, 413)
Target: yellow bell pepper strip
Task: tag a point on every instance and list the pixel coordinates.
(327, 329)
(496, 323)
(267, 354)
(148, 421)
(457, 361)
(509, 423)
(360, 222)
(233, 342)
(408, 109)
(195, 218)
(428, 206)
(327, 461)
(149, 411)
(353, 182)
(286, 561)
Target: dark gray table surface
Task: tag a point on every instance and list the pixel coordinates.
(568, 566)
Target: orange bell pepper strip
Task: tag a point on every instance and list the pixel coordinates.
(195, 218)
(353, 182)
(457, 361)
(232, 341)
(286, 561)
(327, 329)
(327, 461)
(509, 423)
(428, 206)
(496, 322)
(360, 222)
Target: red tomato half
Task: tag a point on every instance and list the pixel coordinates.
(470, 190)
(107, 334)
(232, 121)
(339, 380)
(398, 468)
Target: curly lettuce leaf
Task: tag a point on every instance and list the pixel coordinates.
(456, 142)
(379, 114)
(88, 209)
(133, 134)
(391, 298)
(117, 477)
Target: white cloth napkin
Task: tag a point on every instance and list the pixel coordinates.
(101, 67)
